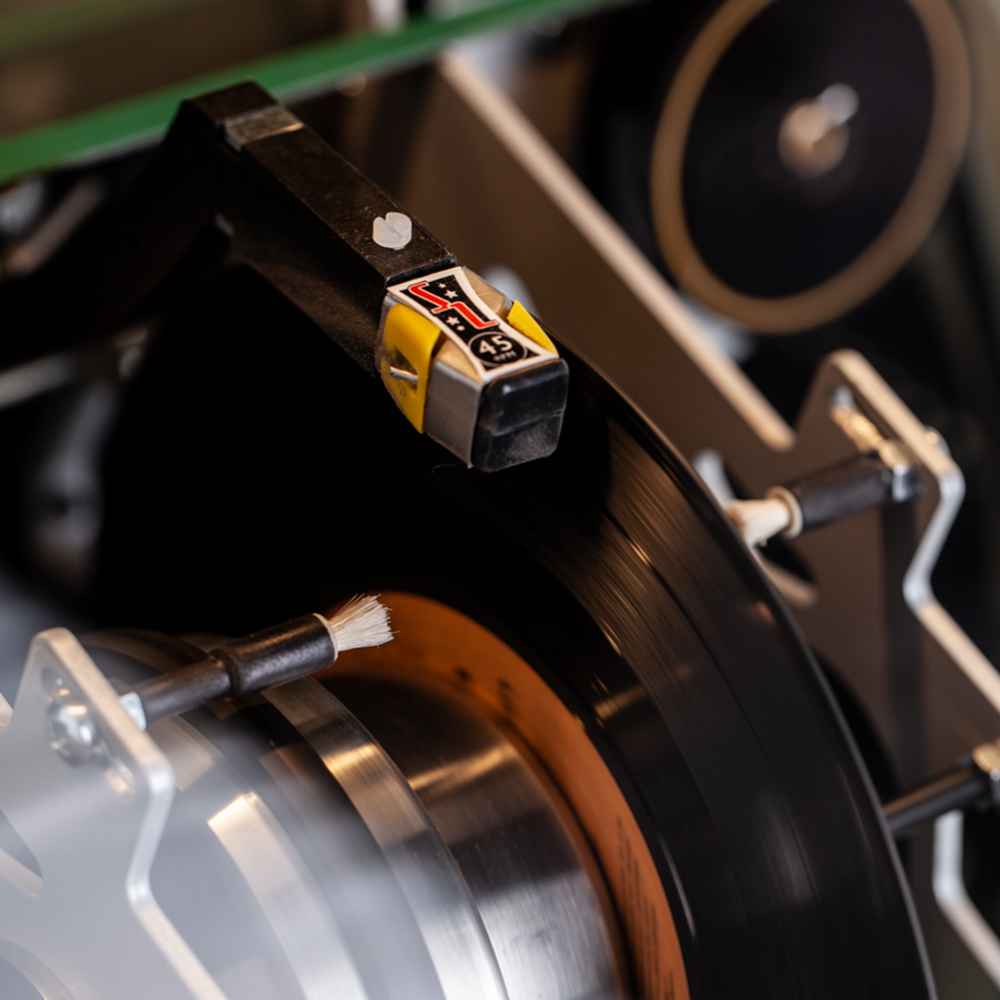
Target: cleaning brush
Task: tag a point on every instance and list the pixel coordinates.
(275, 655)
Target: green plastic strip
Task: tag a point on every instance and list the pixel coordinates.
(289, 74)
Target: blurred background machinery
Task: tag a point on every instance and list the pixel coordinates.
(761, 233)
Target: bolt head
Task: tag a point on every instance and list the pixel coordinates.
(73, 734)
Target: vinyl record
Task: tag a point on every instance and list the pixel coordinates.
(603, 583)
(798, 154)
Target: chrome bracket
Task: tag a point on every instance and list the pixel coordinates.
(953, 899)
(82, 921)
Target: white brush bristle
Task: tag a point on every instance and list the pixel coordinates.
(363, 621)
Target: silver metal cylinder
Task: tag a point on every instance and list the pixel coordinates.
(523, 870)
(364, 840)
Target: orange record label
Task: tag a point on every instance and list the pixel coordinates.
(439, 646)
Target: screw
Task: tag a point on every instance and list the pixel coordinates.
(73, 734)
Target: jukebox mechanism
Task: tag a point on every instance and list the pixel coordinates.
(646, 694)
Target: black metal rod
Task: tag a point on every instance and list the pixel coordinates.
(858, 484)
(273, 656)
(956, 789)
(183, 690)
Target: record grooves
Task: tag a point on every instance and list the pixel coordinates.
(611, 572)
(788, 826)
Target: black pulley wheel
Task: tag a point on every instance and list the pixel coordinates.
(792, 156)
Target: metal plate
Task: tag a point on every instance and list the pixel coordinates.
(91, 913)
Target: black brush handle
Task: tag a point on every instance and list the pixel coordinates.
(272, 656)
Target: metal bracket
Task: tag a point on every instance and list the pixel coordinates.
(873, 614)
(85, 924)
(951, 896)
